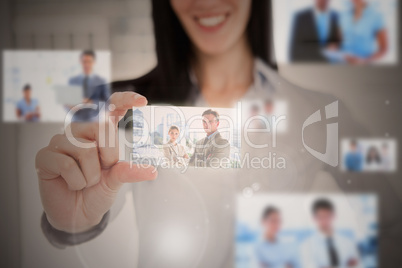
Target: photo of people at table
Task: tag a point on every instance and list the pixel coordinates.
(355, 32)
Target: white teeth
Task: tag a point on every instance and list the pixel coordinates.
(211, 21)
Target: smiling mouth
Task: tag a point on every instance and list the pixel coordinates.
(212, 21)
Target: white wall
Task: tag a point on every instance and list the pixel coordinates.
(124, 27)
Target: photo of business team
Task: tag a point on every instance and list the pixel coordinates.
(356, 32)
(369, 155)
(173, 143)
(44, 86)
(323, 244)
(265, 113)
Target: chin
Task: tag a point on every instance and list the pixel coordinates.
(214, 45)
(214, 52)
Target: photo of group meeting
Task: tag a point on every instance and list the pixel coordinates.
(190, 134)
(355, 32)
(369, 155)
(316, 234)
(180, 137)
(45, 86)
(266, 113)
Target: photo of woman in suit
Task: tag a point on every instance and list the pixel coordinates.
(174, 152)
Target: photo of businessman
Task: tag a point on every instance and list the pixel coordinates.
(314, 29)
(212, 148)
(94, 87)
(327, 247)
(181, 137)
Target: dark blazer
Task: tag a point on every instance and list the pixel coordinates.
(305, 43)
(214, 149)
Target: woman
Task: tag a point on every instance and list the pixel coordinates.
(210, 53)
(272, 251)
(207, 52)
(174, 152)
(363, 33)
(373, 159)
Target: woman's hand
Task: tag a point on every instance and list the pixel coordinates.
(78, 185)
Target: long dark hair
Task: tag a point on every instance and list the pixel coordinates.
(169, 81)
(375, 158)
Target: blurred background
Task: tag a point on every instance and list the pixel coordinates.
(371, 93)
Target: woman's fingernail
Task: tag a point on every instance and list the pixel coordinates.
(138, 96)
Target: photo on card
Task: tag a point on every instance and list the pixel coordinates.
(181, 137)
(306, 230)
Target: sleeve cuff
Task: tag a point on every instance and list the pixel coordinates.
(61, 240)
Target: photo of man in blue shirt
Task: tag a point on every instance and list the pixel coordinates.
(354, 158)
(27, 107)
